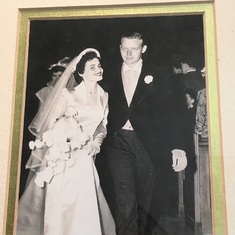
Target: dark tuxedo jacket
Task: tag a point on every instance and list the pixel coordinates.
(194, 80)
(151, 112)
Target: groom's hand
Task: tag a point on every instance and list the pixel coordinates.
(179, 160)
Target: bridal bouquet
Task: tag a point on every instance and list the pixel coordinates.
(62, 139)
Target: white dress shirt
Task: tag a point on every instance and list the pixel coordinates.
(130, 77)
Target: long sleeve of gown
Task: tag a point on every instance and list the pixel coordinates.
(101, 130)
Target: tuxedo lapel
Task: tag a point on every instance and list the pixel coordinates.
(121, 93)
(142, 88)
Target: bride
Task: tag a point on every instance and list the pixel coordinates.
(63, 194)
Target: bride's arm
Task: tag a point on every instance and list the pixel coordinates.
(101, 130)
(100, 133)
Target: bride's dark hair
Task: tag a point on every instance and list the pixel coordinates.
(80, 68)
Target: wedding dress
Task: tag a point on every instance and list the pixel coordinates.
(72, 202)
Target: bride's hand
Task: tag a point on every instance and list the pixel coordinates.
(71, 112)
(93, 148)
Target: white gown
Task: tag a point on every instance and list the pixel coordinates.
(73, 202)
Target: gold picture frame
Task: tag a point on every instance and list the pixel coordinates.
(205, 9)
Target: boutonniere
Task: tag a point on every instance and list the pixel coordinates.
(148, 79)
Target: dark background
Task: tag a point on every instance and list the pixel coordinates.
(52, 40)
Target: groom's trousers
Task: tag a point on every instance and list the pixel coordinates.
(133, 181)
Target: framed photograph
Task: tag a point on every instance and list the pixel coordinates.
(177, 36)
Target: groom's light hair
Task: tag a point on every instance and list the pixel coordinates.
(133, 35)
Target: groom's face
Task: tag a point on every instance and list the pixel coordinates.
(131, 50)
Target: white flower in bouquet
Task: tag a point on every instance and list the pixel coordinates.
(31, 144)
(36, 144)
(48, 138)
(43, 176)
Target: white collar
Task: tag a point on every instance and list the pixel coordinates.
(137, 67)
(190, 70)
(190, 106)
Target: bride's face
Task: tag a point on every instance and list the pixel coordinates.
(93, 71)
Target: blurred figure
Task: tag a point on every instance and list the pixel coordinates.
(188, 120)
(201, 127)
(177, 82)
(176, 64)
(56, 71)
(192, 82)
(190, 96)
(192, 74)
(203, 71)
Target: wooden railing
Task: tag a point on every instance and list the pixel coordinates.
(202, 195)
(203, 216)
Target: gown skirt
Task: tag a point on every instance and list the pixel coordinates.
(71, 204)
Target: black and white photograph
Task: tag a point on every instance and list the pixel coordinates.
(115, 136)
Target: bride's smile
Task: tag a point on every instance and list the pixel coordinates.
(93, 71)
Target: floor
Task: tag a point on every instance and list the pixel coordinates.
(172, 226)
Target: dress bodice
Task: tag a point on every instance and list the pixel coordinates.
(89, 117)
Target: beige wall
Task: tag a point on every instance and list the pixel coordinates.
(225, 25)
(225, 22)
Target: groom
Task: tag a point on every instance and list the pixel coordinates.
(141, 131)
